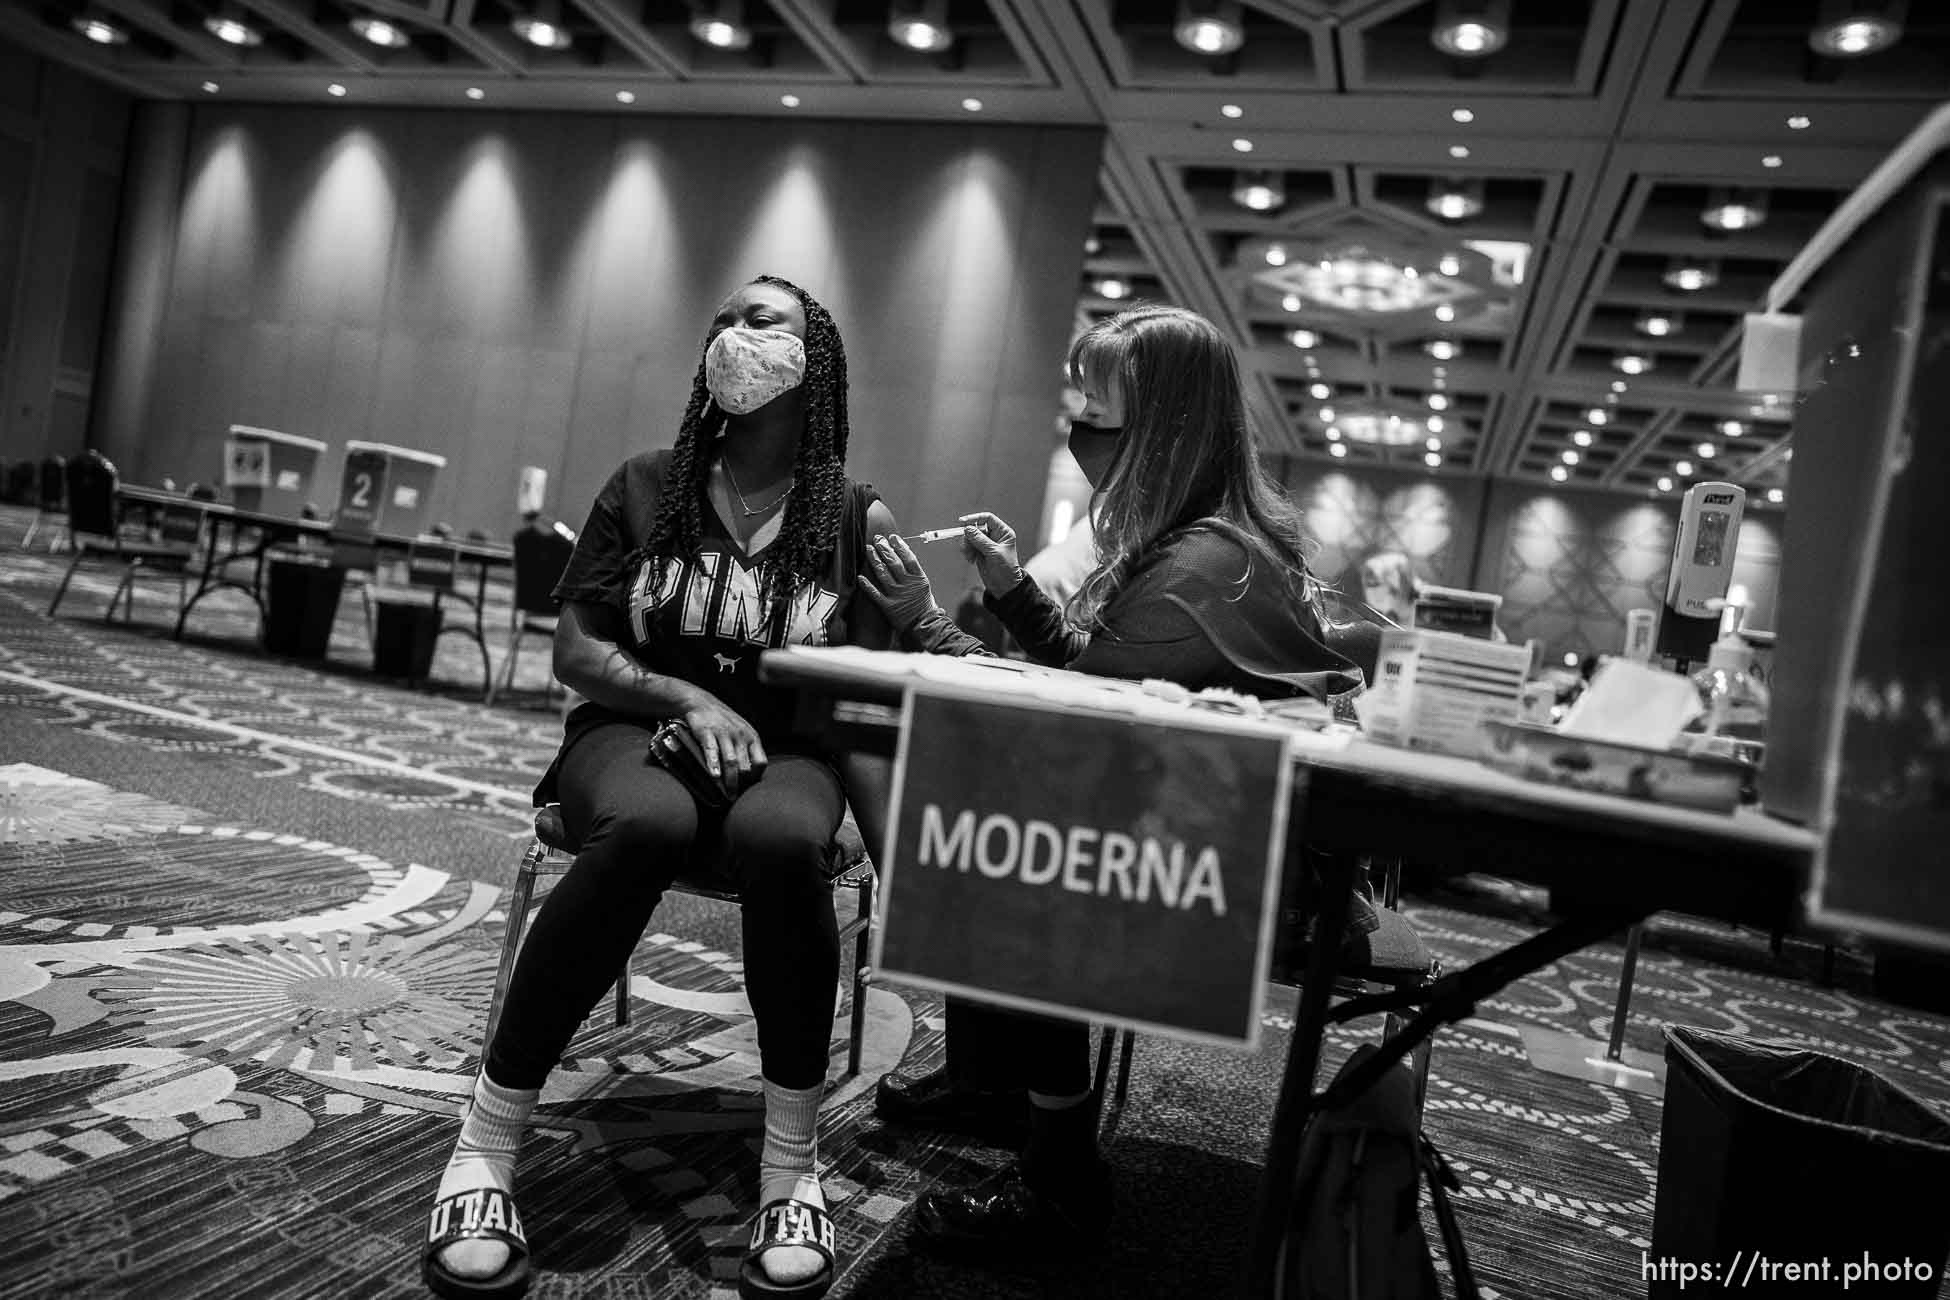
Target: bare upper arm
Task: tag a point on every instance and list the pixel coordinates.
(880, 520)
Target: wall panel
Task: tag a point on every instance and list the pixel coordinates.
(508, 290)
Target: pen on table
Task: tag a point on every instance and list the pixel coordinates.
(935, 534)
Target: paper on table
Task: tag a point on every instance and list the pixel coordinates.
(1633, 704)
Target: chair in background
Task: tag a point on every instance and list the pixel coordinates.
(50, 502)
(1391, 959)
(96, 533)
(553, 852)
(541, 554)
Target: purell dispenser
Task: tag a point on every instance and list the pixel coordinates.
(1702, 570)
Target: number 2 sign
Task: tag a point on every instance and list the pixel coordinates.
(362, 491)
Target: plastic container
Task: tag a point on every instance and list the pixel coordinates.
(301, 603)
(270, 472)
(386, 489)
(1734, 701)
(1782, 1155)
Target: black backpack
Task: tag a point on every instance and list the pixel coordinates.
(1357, 1228)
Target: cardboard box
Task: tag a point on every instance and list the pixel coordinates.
(387, 489)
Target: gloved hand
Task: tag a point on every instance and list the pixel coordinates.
(897, 582)
(989, 544)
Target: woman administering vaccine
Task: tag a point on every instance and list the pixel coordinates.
(1201, 578)
(744, 536)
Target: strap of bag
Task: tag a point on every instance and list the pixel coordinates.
(1443, 1180)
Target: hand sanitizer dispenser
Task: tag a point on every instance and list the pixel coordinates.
(1702, 570)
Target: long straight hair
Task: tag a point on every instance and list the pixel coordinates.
(1187, 458)
(812, 518)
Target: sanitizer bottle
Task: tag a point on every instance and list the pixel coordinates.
(1734, 723)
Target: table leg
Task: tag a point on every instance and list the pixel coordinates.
(1632, 937)
(202, 579)
(1324, 898)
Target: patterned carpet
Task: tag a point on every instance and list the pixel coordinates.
(250, 910)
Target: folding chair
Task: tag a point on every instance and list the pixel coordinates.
(50, 501)
(541, 554)
(553, 853)
(96, 533)
(1392, 957)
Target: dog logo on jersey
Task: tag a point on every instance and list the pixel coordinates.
(726, 663)
(719, 596)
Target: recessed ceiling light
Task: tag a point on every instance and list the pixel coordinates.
(1231, 110)
(790, 101)
(626, 97)
(231, 30)
(1276, 254)
(1450, 264)
(99, 29)
(1435, 424)
(1582, 437)
(1463, 115)
(1333, 433)
(972, 104)
(1559, 473)
(1259, 191)
(1455, 200)
(1459, 151)
(1771, 160)
(1112, 287)
(1850, 35)
(1445, 313)
(1682, 468)
(1569, 457)
(1598, 415)
(379, 31)
(1303, 338)
(1734, 210)
(1433, 444)
(721, 24)
(1691, 276)
(1665, 484)
(1442, 349)
(920, 25)
(1706, 451)
(1337, 449)
(1471, 29)
(1656, 323)
(1243, 145)
(1617, 386)
(1321, 392)
(542, 26)
(211, 87)
(1776, 496)
(1209, 27)
(1799, 122)
(1437, 402)
(1326, 414)
(1433, 460)
(1632, 363)
(1291, 302)
(475, 92)
(335, 90)
(1732, 428)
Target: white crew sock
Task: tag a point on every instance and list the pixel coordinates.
(485, 1156)
(786, 1168)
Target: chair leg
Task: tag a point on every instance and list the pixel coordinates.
(507, 682)
(504, 971)
(623, 995)
(126, 587)
(62, 590)
(1121, 1093)
(862, 976)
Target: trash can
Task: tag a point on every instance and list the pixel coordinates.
(301, 600)
(403, 637)
(1772, 1155)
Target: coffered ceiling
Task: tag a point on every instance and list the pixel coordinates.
(1500, 263)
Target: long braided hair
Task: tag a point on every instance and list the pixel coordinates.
(812, 518)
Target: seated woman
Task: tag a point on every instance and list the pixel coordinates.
(746, 535)
(1201, 578)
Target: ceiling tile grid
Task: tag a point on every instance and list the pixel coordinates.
(1475, 237)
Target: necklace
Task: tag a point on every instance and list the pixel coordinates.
(749, 513)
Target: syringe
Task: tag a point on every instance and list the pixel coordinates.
(936, 534)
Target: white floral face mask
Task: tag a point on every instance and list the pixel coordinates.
(745, 368)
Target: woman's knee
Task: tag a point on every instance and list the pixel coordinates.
(775, 857)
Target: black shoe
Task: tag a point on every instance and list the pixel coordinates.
(1006, 1220)
(931, 1101)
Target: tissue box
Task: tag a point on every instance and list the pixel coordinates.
(1435, 690)
(1608, 767)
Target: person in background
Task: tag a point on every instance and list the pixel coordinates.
(746, 535)
(1388, 586)
(1200, 576)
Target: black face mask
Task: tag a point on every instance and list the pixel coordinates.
(1094, 449)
